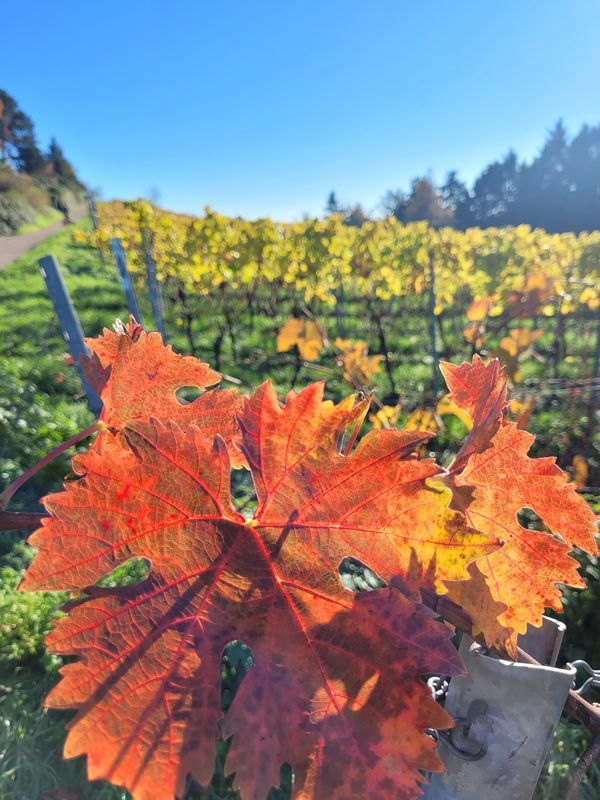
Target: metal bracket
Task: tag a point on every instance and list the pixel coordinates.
(593, 680)
(467, 739)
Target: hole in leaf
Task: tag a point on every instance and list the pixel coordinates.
(243, 493)
(132, 572)
(221, 784)
(286, 781)
(529, 519)
(187, 394)
(358, 577)
(347, 438)
(235, 663)
(533, 522)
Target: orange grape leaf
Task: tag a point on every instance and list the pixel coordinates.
(479, 309)
(370, 715)
(492, 479)
(305, 334)
(474, 333)
(138, 377)
(531, 299)
(513, 347)
(519, 341)
(479, 389)
(335, 687)
(524, 573)
(387, 514)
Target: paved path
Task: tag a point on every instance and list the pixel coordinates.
(12, 247)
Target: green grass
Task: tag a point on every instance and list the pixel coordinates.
(42, 221)
(27, 320)
(41, 401)
(41, 404)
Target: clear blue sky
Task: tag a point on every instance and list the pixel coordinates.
(260, 107)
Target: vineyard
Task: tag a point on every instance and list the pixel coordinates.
(376, 306)
(373, 311)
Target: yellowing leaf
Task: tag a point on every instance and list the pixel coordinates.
(447, 406)
(424, 419)
(521, 410)
(385, 417)
(359, 367)
(513, 347)
(479, 309)
(305, 334)
(474, 333)
(581, 471)
(519, 341)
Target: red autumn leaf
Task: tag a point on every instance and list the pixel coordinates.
(137, 377)
(480, 390)
(381, 505)
(105, 349)
(524, 573)
(493, 479)
(335, 688)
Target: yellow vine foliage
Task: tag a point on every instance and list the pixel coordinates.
(500, 269)
(385, 417)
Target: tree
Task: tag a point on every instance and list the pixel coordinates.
(455, 197)
(495, 192)
(424, 203)
(62, 168)
(18, 145)
(333, 206)
(355, 216)
(31, 159)
(394, 204)
(583, 205)
(544, 185)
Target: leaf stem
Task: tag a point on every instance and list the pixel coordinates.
(20, 521)
(10, 490)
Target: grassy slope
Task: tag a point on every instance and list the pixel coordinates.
(43, 220)
(40, 405)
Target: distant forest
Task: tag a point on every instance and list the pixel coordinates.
(33, 180)
(558, 191)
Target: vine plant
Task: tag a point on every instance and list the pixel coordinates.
(335, 686)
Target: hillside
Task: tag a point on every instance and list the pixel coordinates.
(36, 187)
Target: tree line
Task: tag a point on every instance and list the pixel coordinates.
(32, 180)
(559, 190)
(20, 150)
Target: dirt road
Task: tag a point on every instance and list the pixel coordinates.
(12, 247)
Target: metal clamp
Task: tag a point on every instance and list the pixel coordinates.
(593, 680)
(465, 740)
